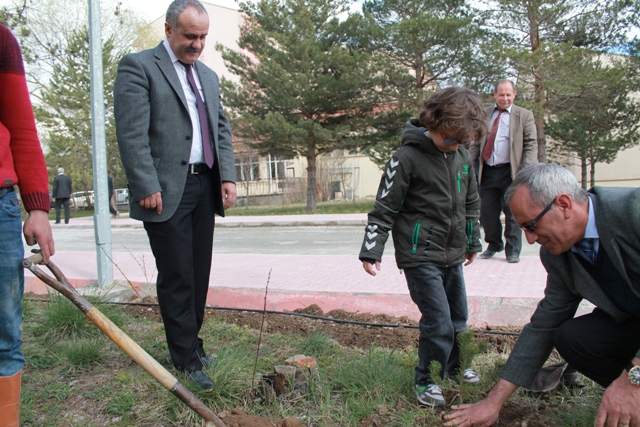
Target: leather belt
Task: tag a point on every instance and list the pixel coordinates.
(196, 168)
(499, 165)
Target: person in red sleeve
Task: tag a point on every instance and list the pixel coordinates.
(22, 164)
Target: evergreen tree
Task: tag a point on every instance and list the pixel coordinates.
(303, 90)
(422, 45)
(64, 111)
(540, 37)
(604, 120)
(13, 17)
(50, 33)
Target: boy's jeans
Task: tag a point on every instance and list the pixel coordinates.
(441, 297)
(11, 284)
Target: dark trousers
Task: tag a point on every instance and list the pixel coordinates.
(112, 204)
(62, 201)
(495, 182)
(597, 346)
(441, 297)
(182, 247)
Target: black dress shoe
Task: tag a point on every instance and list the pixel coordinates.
(207, 361)
(487, 254)
(201, 380)
(513, 259)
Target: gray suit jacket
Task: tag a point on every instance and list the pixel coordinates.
(617, 212)
(522, 136)
(154, 130)
(61, 187)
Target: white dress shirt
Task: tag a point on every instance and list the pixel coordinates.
(197, 156)
(501, 146)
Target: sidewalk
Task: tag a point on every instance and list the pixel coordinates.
(241, 221)
(499, 293)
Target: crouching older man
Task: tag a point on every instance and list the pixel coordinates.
(591, 250)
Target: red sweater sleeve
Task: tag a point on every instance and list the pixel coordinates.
(21, 158)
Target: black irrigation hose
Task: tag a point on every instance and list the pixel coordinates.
(311, 316)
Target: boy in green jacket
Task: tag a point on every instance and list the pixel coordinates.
(428, 198)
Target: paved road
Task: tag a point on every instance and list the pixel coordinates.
(318, 240)
(272, 240)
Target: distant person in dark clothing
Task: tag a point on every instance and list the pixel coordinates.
(61, 194)
(112, 196)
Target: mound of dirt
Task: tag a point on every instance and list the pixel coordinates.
(348, 329)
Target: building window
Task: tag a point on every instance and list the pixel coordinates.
(247, 168)
(276, 167)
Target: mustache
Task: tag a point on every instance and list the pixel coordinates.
(190, 49)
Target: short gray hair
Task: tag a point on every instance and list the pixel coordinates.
(60, 170)
(545, 182)
(177, 7)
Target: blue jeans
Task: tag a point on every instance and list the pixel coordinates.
(11, 284)
(441, 298)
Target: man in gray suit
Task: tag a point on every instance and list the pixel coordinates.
(60, 194)
(591, 250)
(175, 145)
(510, 145)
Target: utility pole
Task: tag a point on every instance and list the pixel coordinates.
(101, 219)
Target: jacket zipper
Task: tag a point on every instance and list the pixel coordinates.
(414, 238)
(453, 210)
(459, 177)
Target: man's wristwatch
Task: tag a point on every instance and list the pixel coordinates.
(634, 374)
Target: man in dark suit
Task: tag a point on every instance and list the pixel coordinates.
(591, 250)
(60, 194)
(175, 145)
(510, 145)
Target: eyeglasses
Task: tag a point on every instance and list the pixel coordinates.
(449, 141)
(530, 227)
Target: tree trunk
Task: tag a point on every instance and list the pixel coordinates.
(593, 173)
(538, 85)
(542, 139)
(312, 186)
(583, 172)
(419, 97)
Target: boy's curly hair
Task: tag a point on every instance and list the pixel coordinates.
(456, 111)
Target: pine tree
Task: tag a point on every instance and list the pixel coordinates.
(64, 110)
(604, 119)
(540, 37)
(303, 90)
(422, 45)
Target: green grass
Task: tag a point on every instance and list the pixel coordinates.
(80, 213)
(334, 207)
(82, 352)
(62, 319)
(77, 377)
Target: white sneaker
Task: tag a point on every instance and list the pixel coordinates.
(470, 376)
(430, 394)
